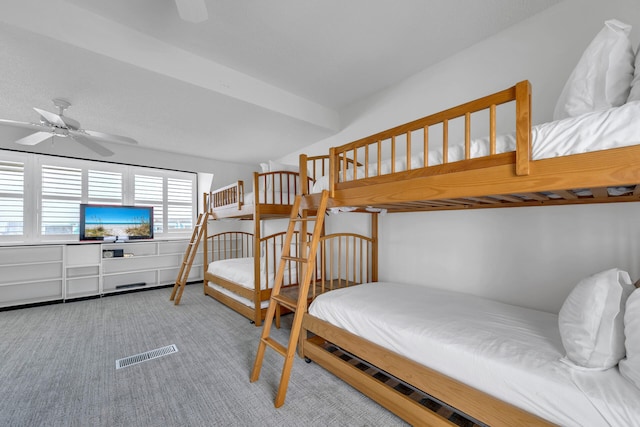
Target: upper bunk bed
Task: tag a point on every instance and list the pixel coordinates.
(592, 158)
(272, 197)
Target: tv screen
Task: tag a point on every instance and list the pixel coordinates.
(115, 223)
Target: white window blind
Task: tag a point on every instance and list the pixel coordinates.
(105, 187)
(61, 198)
(11, 198)
(149, 191)
(179, 204)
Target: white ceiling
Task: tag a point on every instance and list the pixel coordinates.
(256, 81)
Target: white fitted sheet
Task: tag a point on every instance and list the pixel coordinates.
(510, 352)
(600, 130)
(240, 271)
(233, 295)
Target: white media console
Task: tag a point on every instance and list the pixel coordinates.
(50, 272)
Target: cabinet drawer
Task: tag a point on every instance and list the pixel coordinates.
(82, 286)
(15, 274)
(89, 270)
(26, 293)
(30, 254)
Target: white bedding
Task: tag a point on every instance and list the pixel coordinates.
(233, 295)
(510, 352)
(240, 271)
(600, 130)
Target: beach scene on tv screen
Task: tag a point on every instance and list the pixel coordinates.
(116, 221)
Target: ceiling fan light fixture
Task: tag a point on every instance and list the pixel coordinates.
(52, 125)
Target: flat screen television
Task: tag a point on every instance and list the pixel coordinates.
(111, 223)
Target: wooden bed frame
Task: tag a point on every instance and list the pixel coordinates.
(229, 203)
(237, 244)
(498, 180)
(344, 259)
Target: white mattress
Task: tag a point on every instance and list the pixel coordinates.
(233, 295)
(240, 271)
(601, 130)
(510, 352)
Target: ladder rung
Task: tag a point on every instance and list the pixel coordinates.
(293, 258)
(290, 303)
(309, 218)
(275, 345)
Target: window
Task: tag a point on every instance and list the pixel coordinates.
(41, 195)
(179, 204)
(149, 192)
(61, 198)
(11, 198)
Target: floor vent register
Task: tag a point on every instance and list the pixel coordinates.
(148, 355)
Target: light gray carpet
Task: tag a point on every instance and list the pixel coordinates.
(57, 368)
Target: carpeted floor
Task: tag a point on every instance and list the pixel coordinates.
(58, 369)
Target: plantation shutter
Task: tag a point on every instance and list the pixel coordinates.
(149, 191)
(61, 198)
(105, 187)
(11, 198)
(179, 204)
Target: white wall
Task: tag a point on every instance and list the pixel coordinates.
(527, 256)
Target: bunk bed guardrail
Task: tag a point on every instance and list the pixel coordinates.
(395, 145)
(278, 187)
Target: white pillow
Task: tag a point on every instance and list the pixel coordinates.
(630, 367)
(275, 167)
(264, 167)
(634, 95)
(591, 320)
(602, 78)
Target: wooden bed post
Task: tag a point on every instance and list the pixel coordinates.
(523, 127)
(374, 247)
(206, 208)
(256, 251)
(333, 171)
(304, 185)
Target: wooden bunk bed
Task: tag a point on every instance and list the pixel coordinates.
(240, 267)
(392, 175)
(344, 259)
(272, 198)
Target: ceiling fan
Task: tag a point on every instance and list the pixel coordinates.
(192, 10)
(52, 124)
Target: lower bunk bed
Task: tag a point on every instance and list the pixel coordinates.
(243, 282)
(499, 364)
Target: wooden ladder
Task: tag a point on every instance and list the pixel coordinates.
(189, 256)
(307, 259)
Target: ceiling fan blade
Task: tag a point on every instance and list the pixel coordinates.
(52, 118)
(26, 125)
(192, 10)
(110, 137)
(34, 138)
(91, 144)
